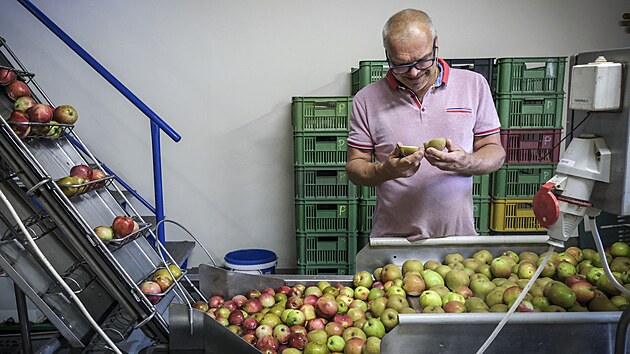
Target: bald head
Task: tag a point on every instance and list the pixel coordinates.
(407, 24)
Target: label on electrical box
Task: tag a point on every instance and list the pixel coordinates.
(567, 162)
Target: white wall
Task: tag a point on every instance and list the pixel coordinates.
(222, 74)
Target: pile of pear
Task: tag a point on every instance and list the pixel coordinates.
(573, 280)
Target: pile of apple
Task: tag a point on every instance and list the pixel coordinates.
(159, 282)
(325, 318)
(80, 175)
(122, 226)
(45, 119)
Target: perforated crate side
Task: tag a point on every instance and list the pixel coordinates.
(369, 71)
(320, 149)
(520, 181)
(326, 269)
(481, 214)
(326, 248)
(531, 145)
(321, 114)
(530, 111)
(530, 75)
(324, 183)
(483, 66)
(326, 216)
(481, 185)
(366, 213)
(513, 215)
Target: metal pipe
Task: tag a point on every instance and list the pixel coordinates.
(100, 69)
(79, 146)
(25, 331)
(157, 181)
(621, 335)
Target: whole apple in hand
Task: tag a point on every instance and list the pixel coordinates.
(17, 89)
(23, 103)
(123, 226)
(65, 114)
(7, 76)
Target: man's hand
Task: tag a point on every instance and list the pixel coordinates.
(454, 158)
(396, 166)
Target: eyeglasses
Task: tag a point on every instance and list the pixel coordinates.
(419, 65)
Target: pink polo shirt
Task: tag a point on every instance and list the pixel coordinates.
(431, 203)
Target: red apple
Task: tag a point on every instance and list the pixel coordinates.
(344, 320)
(148, 288)
(297, 341)
(122, 226)
(250, 323)
(326, 307)
(230, 305)
(252, 306)
(95, 175)
(40, 113)
(294, 302)
(250, 338)
(334, 329)
(310, 300)
(269, 291)
(23, 103)
(298, 329)
(20, 125)
(83, 171)
(65, 114)
(236, 318)
(239, 300)
(253, 294)
(283, 289)
(17, 89)
(315, 324)
(7, 76)
(215, 301)
(267, 342)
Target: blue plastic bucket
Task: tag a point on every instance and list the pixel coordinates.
(251, 261)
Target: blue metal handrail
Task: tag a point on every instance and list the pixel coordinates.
(156, 122)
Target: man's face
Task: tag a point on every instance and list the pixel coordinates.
(409, 51)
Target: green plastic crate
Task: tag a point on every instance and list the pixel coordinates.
(481, 214)
(530, 111)
(323, 149)
(326, 216)
(367, 193)
(520, 181)
(321, 114)
(481, 186)
(324, 183)
(366, 213)
(326, 269)
(530, 75)
(369, 71)
(326, 248)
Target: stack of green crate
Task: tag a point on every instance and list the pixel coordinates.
(529, 100)
(370, 71)
(326, 200)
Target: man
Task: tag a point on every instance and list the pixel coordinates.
(421, 99)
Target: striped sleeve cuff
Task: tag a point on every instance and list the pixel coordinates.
(360, 146)
(488, 132)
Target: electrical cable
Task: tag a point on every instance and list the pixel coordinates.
(520, 298)
(56, 275)
(588, 114)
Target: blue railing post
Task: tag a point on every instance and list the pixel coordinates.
(157, 181)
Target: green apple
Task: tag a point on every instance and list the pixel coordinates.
(374, 328)
(389, 318)
(375, 293)
(396, 290)
(359, 304)
(430, 298)
(353, 332)
(362, 278)
(372, 346)
(397, 302)
(412, 265)
(620, 249)
(317, 336)
(451, 296)
(335, 343)
(316, 348)
(361, 292)
(377, 306)
(431, 278)
(390, 272)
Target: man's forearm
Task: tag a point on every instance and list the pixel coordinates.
(364, 173)
(486, 160)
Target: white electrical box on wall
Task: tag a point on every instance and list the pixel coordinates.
(596, 86)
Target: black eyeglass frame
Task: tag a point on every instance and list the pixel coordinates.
(419, 65)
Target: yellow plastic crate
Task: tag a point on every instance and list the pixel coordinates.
(513, 215)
